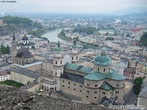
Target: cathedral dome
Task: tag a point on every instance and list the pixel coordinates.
(102, 59)
(25, 38)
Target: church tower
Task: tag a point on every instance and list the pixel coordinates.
(74, 53)
(14, 49)
(58, 62)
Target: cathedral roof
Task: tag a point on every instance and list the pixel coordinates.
(74, 44)
(24, 53)
(79, 68)
(106, 86)
(102, 59)
(58, 49)
(25, 37)
(112, 74)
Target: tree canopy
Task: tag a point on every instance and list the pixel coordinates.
(109, 38)
(4, 50)
(137, 85)
(87, 30)
(143, 39)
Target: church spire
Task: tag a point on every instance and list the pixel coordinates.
(13, 37)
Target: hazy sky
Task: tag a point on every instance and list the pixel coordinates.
(75, 6)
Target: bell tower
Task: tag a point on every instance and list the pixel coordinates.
(58, 62)
(74, 52)
(14, 49)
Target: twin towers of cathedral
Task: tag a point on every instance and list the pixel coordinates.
(58, 65)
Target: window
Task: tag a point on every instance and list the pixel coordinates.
(87, 96)
(87, 91)
(56, 62)
(117, 81)
(96, 85)
(103, 93)
(68, 82)
(110, 92)
(95, 97)
(56, 74)
(80, 85)
(60, 62)
(116, 97)
(104, 69)
(74, 84)
(109, 79)
(80, 91)
(68, 87)
(98, 69)
(117, 85)
(88, 84)
(74, 89)
(62, 85)
(72, 58)
(117, 92)
(77, 57)
(62, 80)
(95, 92)
(123, 84)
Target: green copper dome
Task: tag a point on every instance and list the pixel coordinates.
(74, 44)
(102, 59)
(58, 49)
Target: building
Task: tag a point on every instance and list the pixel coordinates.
(23, 75)
(92, 84)
(25, 43)
(22, 56)
(4, 75)
(89, 83)
(142, 97)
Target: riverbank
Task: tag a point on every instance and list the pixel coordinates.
(78, 42)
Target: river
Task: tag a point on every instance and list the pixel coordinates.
(52, 36)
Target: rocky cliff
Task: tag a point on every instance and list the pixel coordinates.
(16, 99)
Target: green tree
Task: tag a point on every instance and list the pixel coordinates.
(109, 38)
(137, 85)
(143, 39)
(4, 50)
(115, 33)
(138, 79)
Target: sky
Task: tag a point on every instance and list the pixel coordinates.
(70, 6)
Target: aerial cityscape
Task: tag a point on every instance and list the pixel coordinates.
(73, 55)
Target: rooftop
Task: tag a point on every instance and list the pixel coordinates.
(112, 74)
(24, 53)
(26, 72)
(79, 68)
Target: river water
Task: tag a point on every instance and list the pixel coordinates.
(53, 36)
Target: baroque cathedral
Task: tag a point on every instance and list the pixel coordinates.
(90, 84)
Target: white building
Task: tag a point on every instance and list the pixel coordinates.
(4, 76)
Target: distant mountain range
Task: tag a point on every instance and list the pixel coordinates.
(133, 10)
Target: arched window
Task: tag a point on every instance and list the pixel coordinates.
(104, 69)
(98, 69)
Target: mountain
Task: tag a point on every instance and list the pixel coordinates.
(129, 11)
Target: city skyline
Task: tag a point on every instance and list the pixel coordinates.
(66, 6)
